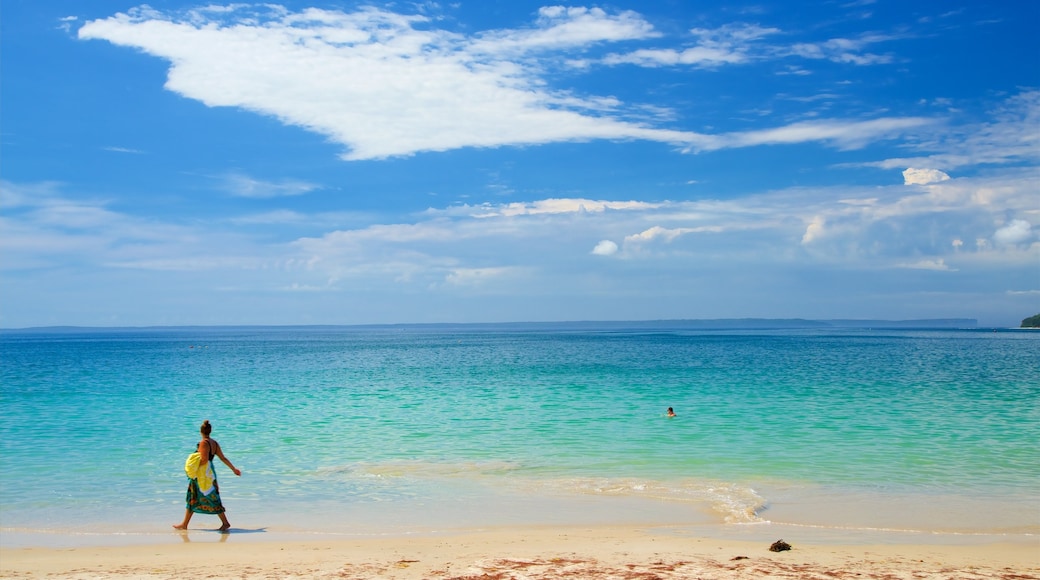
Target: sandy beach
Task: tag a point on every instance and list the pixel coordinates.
(599, 552)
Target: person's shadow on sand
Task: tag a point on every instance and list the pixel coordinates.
(224, 534)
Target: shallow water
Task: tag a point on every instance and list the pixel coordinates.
(415, 429)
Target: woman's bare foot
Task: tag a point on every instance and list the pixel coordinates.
(224, 524)
(180, 526)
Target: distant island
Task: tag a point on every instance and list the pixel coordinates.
(1032, 322)
(756, 324)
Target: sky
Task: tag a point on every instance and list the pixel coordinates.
(315, 162)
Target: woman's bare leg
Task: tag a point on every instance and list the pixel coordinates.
(187, 518)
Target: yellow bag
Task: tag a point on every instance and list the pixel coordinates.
(203, 475)
(191, 465)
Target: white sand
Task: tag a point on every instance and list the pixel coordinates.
(592, 552)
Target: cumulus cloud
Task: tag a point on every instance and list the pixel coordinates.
(814, 230)
(387, 84)
(1015, 232)
(875, 228)
(912, 176)
(605, 248)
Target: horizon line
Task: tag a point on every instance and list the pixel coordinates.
(703, 323)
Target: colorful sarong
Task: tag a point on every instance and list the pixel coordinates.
(203, 495)
(203, 504)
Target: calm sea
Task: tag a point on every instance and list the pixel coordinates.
(419, 429)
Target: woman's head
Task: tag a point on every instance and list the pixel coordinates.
(206, 428)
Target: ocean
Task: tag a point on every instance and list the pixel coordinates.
(362, 431)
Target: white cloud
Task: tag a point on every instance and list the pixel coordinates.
(43, 227)
(657, 232)
(1015, 232)
(605, 248)
(739, 43)
(245, 186)
(546, 206)
(938, 265)
(516, 251)
(123, 150)
(912, 176)
(814, 230)
(859, 229)
(730, 44)
(844, 134)
(700, 55)
(564, 27)
(375, 82)
(1010, 136)
(844, 50)
(66, 23)
(386, 84)
(850, 227)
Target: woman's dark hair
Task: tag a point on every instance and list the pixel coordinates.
(206, 428)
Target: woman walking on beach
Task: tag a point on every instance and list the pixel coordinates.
(203, 493)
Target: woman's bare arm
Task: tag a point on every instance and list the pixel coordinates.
(220, 453)
(203, 452)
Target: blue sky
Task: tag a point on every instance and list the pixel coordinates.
(356, 163)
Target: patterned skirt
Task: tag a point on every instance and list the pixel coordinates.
(203, 504)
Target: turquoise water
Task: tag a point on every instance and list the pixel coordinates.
(410, 429)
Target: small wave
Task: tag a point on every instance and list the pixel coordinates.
(732, 502)
(725, 501)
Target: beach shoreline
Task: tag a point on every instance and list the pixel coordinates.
(602, 551)
(522, 455)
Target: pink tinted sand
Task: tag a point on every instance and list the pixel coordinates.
(593, 552)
